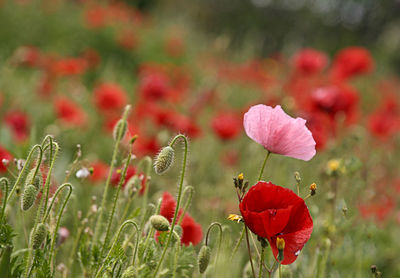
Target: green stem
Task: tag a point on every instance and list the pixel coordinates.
(53, 241)
(27, 162)
(238, 243)
(249, 251)
(3, 209)
(176, 257)
(177, 201)
(263, 166)
(280, 270)
(121, 182)
(148, 162)
(110, 172)
(52, 159)
(261, 262)
(188, 200)
(115, 241)
(220, 238)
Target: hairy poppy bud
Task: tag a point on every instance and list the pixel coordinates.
(204, 258)
(373, 269)
(129, 272)
(120, 129)
(160, 223)
(164, 160)
(37, 180)
(280, 244)
(38, 236)
(28, 197)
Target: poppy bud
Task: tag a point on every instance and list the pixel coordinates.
(204, 258)
(313, 189)
(129, 272)
(280, 244)
(160, 223)
(120, 129)
(38, 236)
(28, 197)
(37, 180)
(164, 160)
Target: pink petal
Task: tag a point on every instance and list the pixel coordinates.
(278, 132)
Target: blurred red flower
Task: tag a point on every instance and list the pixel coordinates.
(227, 125)
(352, 61)
(131, 171)
(309, 61)
(100, 171)
(18, 122)
(69, 112)
(385, 121)
(153, 86)
(272, 211)
(4, 154)
(192, 232)
(110, 97)
(70, 66)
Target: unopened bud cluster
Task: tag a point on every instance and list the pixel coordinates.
(204, 258)
(240, 183)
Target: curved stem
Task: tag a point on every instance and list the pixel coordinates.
(27, 162)
(121, 182)
(248, 249)
(110, 172)
(52, 159)
(188, 200)
(59, 216)
(3, 209)
(177, 201)
(220, 238)
(115, 241)
(263, 166)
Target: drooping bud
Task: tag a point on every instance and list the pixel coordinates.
(313, 189)
(28, 197)
(204, 258)
(38, 236)
(160, 223)
(164, 160)
(120, 129)
(129, 272)
(37, 180)
(280, 244)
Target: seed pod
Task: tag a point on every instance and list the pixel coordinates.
(160, 223)
(204, 258)
(38, 236)
(164, 160)
(120, 128)
(28, 197)
(129, 272)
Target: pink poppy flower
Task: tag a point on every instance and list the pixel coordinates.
(278, 132)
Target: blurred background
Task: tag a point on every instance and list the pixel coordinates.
(69, 67)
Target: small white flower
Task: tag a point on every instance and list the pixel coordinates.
(82, 173)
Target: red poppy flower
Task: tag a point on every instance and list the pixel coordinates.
(309, 61)
(191, 231)
(352, 61)
(18, 123)
(154, 86)
(70, 66)
(272, 211)
(227, 125)
(70, 113)
(110, 96)
(100, 171)
(4, 154)
(131, 171)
